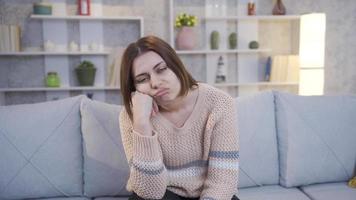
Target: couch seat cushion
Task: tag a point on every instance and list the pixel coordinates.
(316, 138)
(273, 192)
(258, 140)
(105, 166)
(112, 198)
(330, 191)
(41, 150)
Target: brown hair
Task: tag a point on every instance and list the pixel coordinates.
(145, 44)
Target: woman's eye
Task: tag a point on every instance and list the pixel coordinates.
(161, 69)
(141, 80)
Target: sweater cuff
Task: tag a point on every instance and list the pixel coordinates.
(146, 147)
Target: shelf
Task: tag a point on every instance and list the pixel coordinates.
(257, 17)
(79, 17)
(34, 89)
(222, 51)
(52, 53)
(256, 84)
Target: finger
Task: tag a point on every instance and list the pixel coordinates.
(155, 107)
(154, 111)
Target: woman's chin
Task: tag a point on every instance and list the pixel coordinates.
(164, 99)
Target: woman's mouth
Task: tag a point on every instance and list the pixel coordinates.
(161, 93)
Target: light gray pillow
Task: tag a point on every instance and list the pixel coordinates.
(41, 152)
(105, 167)
(258, 140)
(316, 138)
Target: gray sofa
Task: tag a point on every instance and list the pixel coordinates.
(291, 147)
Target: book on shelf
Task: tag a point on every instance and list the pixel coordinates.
(10, 38)
(114, 60)
(4, 37)
(15, 34)
(284, 68)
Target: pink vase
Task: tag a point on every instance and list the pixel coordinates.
(279, 8)
(185, 38)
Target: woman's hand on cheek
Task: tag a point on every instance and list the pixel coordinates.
(141, 105)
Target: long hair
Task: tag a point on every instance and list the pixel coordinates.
(157, 45)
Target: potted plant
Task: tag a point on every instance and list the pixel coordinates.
(86, 73)
(185, 36)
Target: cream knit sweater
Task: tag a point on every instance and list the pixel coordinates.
(199, 159)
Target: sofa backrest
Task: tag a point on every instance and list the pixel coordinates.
(106, 169)
(40, 150)
(258, 140)
(316, 138)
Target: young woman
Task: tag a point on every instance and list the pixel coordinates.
(179, 136)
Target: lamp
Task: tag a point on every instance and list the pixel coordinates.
(311, 53)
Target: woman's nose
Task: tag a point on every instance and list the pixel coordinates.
(155, 81)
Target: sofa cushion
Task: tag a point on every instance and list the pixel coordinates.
(316, 138)
(330, 191)
(272, 192)
(258, 142)
(112, 198)
(105, 166)
(41, 151)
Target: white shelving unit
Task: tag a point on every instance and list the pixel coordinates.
(36, 89)
(84, 17)
(53, 53)
(256, 17)
(227, 51)
(248, 78)
(54, 28)
(93, 18)
(256, 84)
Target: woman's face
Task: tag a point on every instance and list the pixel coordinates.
(153, 77)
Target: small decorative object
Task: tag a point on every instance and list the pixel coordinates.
(268, 69)
(352, 182)
(232, 40)
(59, 7)
(93, 46)
(49, 46)
(42, 9)
(96, 8)
(90, 95)
(251, 8)
(52, 79)
(216, 8)
(221, 71)
(185, 37)
(73, 46)
(279, 8)
(84, 7)
(214, 40)
(253, 45)
(86, 73)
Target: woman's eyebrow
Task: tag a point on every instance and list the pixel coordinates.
(156, 65)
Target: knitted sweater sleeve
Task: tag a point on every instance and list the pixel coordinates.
(148, 176)
(222, 177)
